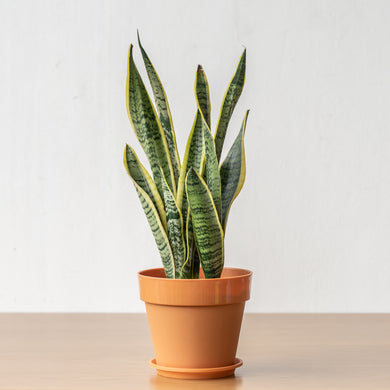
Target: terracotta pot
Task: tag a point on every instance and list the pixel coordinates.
(195, 323)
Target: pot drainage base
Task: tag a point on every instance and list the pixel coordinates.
(195, 373)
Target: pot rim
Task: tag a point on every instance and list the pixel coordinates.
(232, 288)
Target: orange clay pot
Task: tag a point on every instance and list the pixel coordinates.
(195, 323)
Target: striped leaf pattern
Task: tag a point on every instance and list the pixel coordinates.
(186, 204)
(140, 175)
(212, 177)
(207, 228)
(175, 229)
(202, 94)
(158, 231)
(187, 267)
(163, 110)
(230, 99)
(193, 157)
(147, 127)
(232, 172)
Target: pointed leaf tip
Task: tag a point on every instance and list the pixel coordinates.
(147, 125)
(229, 102)
(130, 58)
(202, 94)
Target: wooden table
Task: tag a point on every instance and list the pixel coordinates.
(111, 351)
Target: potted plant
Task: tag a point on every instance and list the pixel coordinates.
(194, 304)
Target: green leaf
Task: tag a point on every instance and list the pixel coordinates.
(186, 270)
(195, 264)
(211, 162)
(230, 99)
(193, 157)
(202, 94)
(163, 110)
(212, 177)
(140, 175)
(175, 229)
(232, 172)
(158, 231)
(207, 228)
(147, 126)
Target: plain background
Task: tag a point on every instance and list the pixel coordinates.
(313, 219)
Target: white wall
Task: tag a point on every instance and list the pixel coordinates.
(313, 220)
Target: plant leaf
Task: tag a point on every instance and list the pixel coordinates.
(140, 175)
(175, 229)
(186, 270)
(147, 126)
(163, 110)
(193, 157)
(202, 94)
(230, 99)
(190, 269)
(158, 231)
(207, 228)
(212, 177)
(232, 172)
(211, 162)
(195, 264)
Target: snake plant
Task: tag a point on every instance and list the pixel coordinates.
(186, 203)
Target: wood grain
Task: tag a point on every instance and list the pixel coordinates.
(111, 351)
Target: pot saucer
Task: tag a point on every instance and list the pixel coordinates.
(195, 373)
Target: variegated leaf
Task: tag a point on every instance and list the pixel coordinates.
(186, 269)
(232, 172)
(158, 231)
(207, 228)
(175, 229)
(202, 94)
(163, 110)
(140, 175)
(147, 126)
(212, 177)
(193, 157)
(230, 99)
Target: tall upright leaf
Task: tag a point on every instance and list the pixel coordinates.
(230, 99)
(211, 173)
(175, 229)
(140, 175)
(195, 264)
(212, 177)
(202, 94)
(158, 231)
(232, 172)
(187, 267)
(207, 228)
(193, 157)
(163, 110)
(147, 126)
